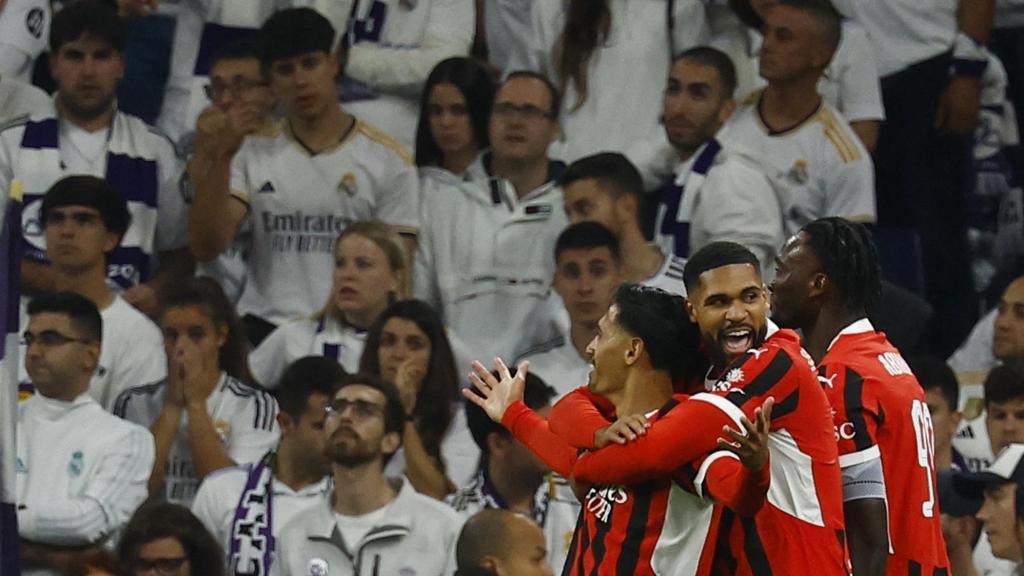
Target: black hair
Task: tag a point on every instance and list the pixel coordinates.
(713, 58)
(613, 171)
(440, 389)
(156, 520)
(472, 80)
(305, 377)
(587, 236)
(848, 257)
(206, 294)
(84, 315)
(746, 13)
(244, 49)
(934, 374)
(1005, 382)
(825, 14)
(715, 255)
(293, 32)
(92, 192)
(659, 318)
(97, 19)
(537, 393)
(556, 95)
(588, 24)
(394, 412)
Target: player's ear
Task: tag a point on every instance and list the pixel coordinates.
(634, 351)
(690, 311)
(819, 284)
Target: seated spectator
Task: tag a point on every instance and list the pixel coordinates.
(588, 269)
(167, 539)
(240, 506)
(370, 272)
(81, 472)
(454, 111)
(204, 416)
(606, 188)
(1002, 420)
(19, 99)
(24, 27)
(960, 528)
(942, 394)
(368, 520)
(322, 170)
(998, 485)
(408, 348)
(997, 336)
(84, 220)
(82, 133)
(484, 257)
(498, 542)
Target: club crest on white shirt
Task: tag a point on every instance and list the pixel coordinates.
(798, 173)
(317, 567)
(76, 464)
(348, 184)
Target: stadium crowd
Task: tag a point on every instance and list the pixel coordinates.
(511, 287)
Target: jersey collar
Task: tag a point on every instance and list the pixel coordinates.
(857, 327)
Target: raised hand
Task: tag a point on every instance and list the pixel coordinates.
(495, 395)
(752, 446)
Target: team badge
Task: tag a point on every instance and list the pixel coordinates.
(223, 429)
(76, 464)
(798, 173)
(317, 567)
(267, 188)
(408, 5)
(348, 184)
(34, 22)
(733, 376)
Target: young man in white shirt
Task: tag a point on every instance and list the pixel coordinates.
(84, 219)
(321, 171)
(240, 506)
(370, 524)
(81, 472)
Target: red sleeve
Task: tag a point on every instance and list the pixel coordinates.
(672, 441)
(532, 430)
(578, 415)
(733, 485)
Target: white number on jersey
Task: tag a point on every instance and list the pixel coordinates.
(922, 420)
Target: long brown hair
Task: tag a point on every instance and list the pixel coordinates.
(587, 25)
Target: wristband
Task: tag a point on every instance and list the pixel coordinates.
(969, 57)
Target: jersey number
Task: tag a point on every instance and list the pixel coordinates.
(922, 420)
(369, 28)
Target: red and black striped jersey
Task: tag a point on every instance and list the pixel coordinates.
(880, 411)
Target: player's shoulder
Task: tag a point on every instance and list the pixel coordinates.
(382, 144)
(242, 398)
(228, 480)
(843, 144)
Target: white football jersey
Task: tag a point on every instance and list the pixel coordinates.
(306, 337)
(818, 168)
(559, 365)
(299, 203)
(19, 98)
(973, 360)
(24, 33)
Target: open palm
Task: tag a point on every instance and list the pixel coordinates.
(495, 395)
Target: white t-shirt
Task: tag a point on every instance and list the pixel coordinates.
(818, 168)
(306, 337)
(670, 276)
(19, 98)
(244, 418)
(971, 441)
(299, 203)
(24, 33)
(354, 528)
(974, 359)
(559, 366)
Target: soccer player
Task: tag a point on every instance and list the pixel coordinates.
(826, 282)
(323, 169)
(83, 133)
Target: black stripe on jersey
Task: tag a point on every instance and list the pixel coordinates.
(265, 413)
(760, 385)
(672, 403)
(121, 403)
(725, 562)
(629, 556)
(570, 557)
(941, 572)
(754, 549)
(675, 268)
(853, 390)
(787, 405)
(913, 568)
(598, 544)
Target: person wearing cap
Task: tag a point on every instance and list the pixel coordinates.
(959, 526)
(998, 485)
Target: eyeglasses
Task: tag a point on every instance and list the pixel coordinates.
(507, 109)
(216, 90)
(50, 339)
(162, 566)
(361, 408)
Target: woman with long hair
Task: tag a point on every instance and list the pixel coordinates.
(167, 539)
(409, 348)
(204, 416)
(370, 272)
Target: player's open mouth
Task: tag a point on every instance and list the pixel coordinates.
(738, 341)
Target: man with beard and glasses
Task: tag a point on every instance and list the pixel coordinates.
(826, 283)
(370, 524)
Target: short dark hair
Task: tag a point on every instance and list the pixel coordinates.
(394, 412)
(293, 32)
(587, 236)
(536, 394)
(934, 374)
(713, 58)
(92, 17)
(659, 318)
(613, 171)
(92, 192)
(825, 14)
(305, 377)
(156, 520)
(245, 49)
(849, 259)
(1005, 382)
(556, 96)
(471, 79)
(716, 255)
(84, 315)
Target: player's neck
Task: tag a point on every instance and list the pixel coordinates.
(641, 259)
(293, 469)
(826, 326)
(323, 131)
(581, 335)
(91, 283)
(785, 105)
(515, 489)
(646, 390)
(360, 490)
(525, 177)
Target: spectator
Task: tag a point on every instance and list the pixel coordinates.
(961, 529)
(370, 272)
(301, 188)
(1002, 421)
(996, 337)
(500, 542)
(204, 416)
(485, 256)
(408, 348)
(167, 539)
(83, 220)
(83, 133)
(998, 485)
(813, 159)
(81, 472)
(363, 430)
(942, 394)
(24, 27)
(241, 506)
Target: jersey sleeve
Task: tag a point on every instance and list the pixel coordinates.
(398, 201)
(532, 430)
(254, 430)
(859, 88)
(172, 212)
(144, 364)
(728, 482)
(850, 185)
(240, 186)
(578, 415)
(213, 507)
(424, 273)
(857, 414)
(269, 360)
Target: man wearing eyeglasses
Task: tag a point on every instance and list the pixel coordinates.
(484, 258)
(81, 472)
(370, 524)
